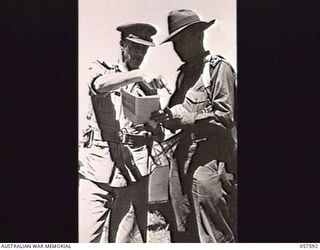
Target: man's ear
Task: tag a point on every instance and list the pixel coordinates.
(121, 43)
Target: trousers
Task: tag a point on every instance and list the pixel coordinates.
(198, 193)
(210, 206)
(94, 201)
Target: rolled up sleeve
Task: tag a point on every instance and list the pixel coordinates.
(221, 111)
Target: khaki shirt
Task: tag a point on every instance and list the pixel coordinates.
(105, 117)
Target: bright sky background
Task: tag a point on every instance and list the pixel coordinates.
(99, 39)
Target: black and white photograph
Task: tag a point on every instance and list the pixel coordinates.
(139, 121)
(157, 121)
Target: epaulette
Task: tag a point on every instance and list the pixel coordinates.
(107, 66)
(218, 58)
(215, 60)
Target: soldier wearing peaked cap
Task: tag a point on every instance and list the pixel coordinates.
(138, 33)
(109, 165)
(202, 112)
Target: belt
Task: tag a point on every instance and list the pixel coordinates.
(135, 140)
(100, 143)
(96, 138)
(132, 140)
(103, 136)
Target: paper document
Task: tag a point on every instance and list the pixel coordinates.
(139, 108)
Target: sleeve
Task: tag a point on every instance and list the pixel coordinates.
(222, 90)
(97, 70)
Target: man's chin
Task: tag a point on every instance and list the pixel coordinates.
(135, 65)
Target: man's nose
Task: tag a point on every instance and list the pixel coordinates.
(139, 55)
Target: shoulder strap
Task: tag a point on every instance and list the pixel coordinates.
(107, 66)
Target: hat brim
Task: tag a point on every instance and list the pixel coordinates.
(202, 25)
(140, 41)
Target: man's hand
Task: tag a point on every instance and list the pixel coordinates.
(156, 132)
(149, 76)
(156, 83)
(160, 82)
(167, 119)
(177, 113)
(147, 127)
(161, 115)
(153, 80)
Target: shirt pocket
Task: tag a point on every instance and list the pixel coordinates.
(195, 101)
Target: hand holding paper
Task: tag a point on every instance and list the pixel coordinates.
(138, 109)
